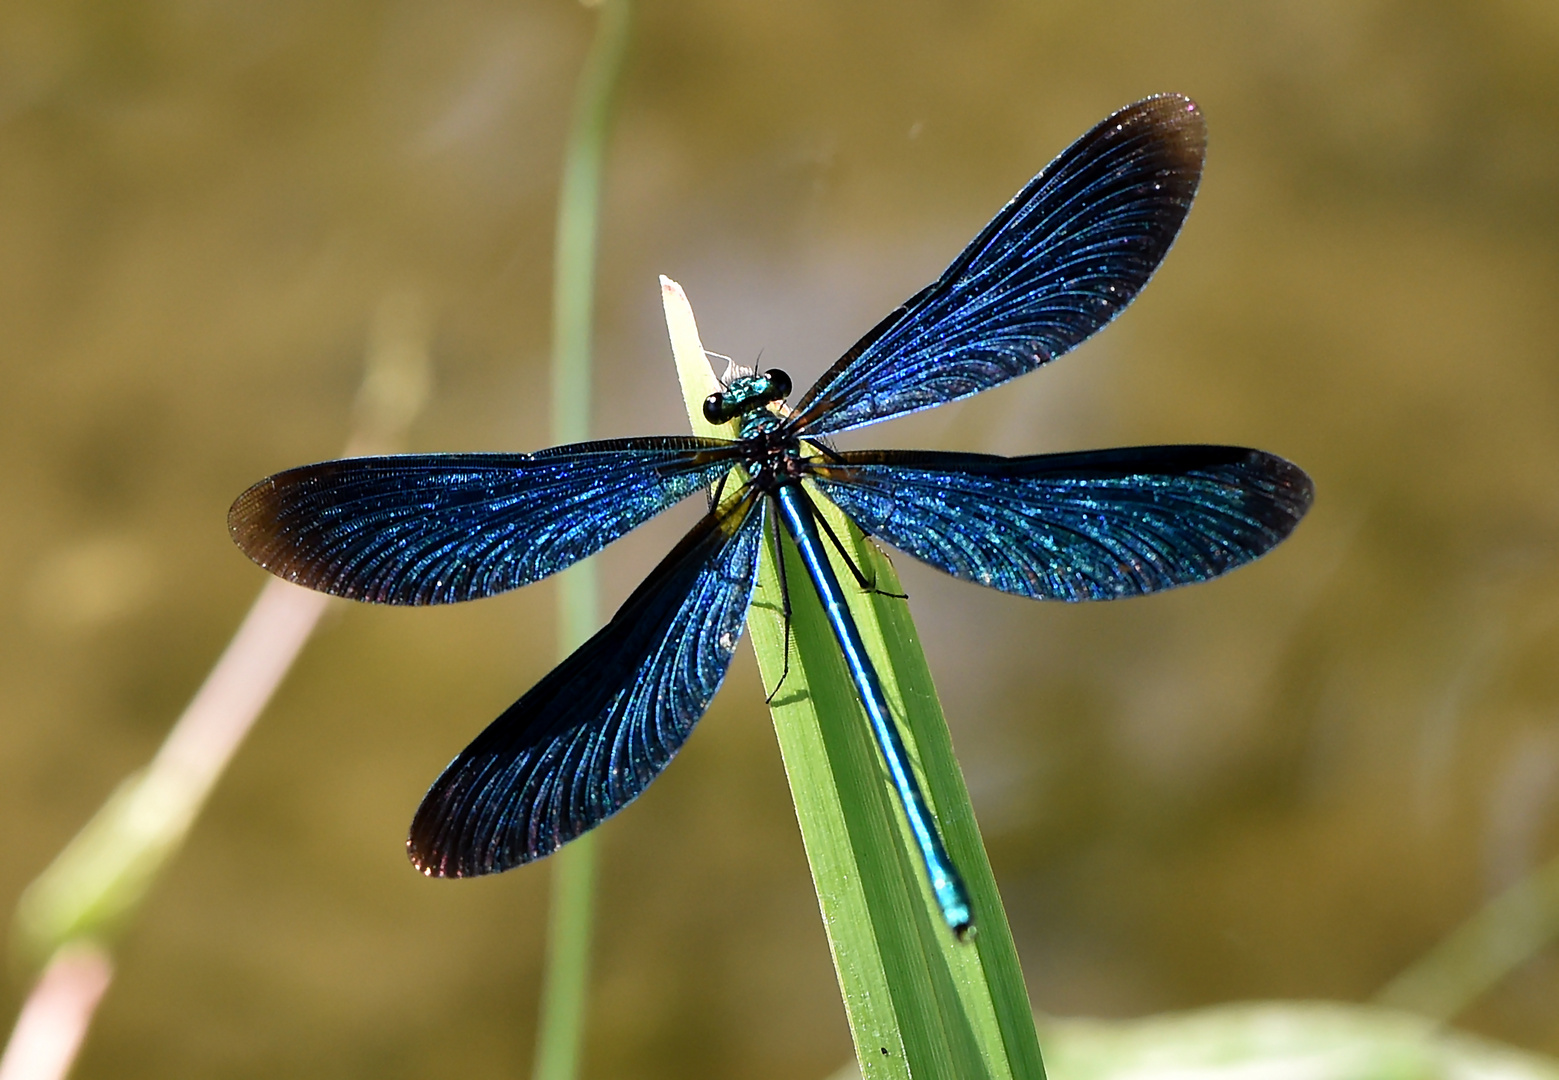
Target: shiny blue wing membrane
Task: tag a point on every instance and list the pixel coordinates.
(1060, 260)
(588, 739)
(1097, 525)
(440, 528)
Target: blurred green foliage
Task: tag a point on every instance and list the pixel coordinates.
(1295, 1040)
(1289, 783)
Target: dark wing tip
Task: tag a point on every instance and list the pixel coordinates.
(456, 832)
(433, 864)
(431, 861)
(263, 523)
(247, 512)
(1278, 494)
(1294, 491)
(253, 521)
(284, 524)
(426, 865)
(433, 844)
(1175, 134)
(1175, 119)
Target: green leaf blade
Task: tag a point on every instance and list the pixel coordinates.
(920, 1003)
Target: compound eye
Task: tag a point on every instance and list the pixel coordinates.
(714, 410)
(779, 384)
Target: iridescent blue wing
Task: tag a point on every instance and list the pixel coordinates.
(1063, 258)
(1090, 526)
(437, 528)
(588, 738)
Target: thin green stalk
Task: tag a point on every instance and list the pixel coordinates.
(579, 201)
(920, 1003)
(560, 1033)
(566, 981)
(1505, 933)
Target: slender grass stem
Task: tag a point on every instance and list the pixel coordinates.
(560, 1034)
(54, 1021)
(94, 887)
(1506, 932)
(565, 984)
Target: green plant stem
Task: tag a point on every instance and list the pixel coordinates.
(579, 202)
(1466, 964)
(565, 984)
(559, 1037)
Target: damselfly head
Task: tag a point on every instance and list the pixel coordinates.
(745, 394)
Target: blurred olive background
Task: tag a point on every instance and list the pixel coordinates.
(1288, 783)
